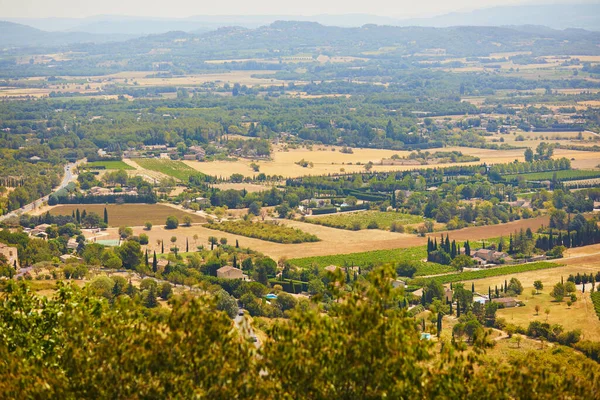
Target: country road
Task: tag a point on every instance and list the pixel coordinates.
(69, 176)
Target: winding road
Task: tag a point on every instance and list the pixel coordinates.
(68, 177)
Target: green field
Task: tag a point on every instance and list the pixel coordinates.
(565, 175)
(108, 165)
(176, 169)
(362, 219)
(596, 300)
(487, 273)
(377, 257)
(272, 232)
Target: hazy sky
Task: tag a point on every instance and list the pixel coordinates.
(186, 8)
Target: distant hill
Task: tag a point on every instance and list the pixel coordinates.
(556, 16)
(18, 35)
(287, 38)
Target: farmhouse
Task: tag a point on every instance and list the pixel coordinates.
(229, 272)
(66, 257)
(489, 256)
(11, 254)
(505, 302)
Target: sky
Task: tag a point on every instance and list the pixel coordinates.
(187, 8)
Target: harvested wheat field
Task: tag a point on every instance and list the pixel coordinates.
(474, 233)
(333, 241)
(325, 161)
(128, 214)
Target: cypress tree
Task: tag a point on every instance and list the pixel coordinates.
(105, 216)
(73, 215)
(147, 263)
(187, 245)
(450, 304)
(162, 249)
(78, 216)
(237, 244)
(473, 287)
(457, 309)
(489, 292)
(234, 262)
(154, 263)
(83, 214)
(439, 324)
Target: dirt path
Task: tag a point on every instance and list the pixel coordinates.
(146, 174)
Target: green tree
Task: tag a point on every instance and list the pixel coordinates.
(172, 223)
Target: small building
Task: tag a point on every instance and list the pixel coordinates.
(68, 257)
(11, 254)
(72, 244)
(480, 299)
(331, 268)
(34, 159)
(397, 283)
(448, 294)
(189, 157)
(505, 302)
(490, 256)
(229, 272)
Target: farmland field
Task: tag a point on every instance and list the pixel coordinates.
(270, 231)
(362, 219)
(329, 160)
(175, 169)
(377, 257)
(499, 271)
(596, 301)
(108, 165)
(565, 175)
(128, 214)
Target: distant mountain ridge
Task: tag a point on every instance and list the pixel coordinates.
(18, 35)
(555, 16)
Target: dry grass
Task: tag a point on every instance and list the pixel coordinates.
(128, 214)
(533, 139)
(581, 315)
(325, 161)
(474, 233)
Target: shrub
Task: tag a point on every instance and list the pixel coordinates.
(172, 223)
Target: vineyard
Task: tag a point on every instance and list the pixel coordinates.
(366, 220)
(107, 165)
(596, 300)
(415, 255)
(564, 175)
(176, 169)
(488, 273)
(272, 232)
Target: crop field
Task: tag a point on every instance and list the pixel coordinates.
(329, 160)
(270, 231)
(363, 219)
(175, 169)
(566, 175)
(108, 165)
(596, 301)
(581, 315)
(499, 271)
(128, 214)
(377, 257)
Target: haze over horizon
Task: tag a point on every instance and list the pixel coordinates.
(189, 8)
